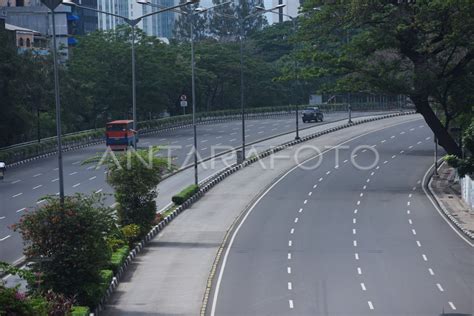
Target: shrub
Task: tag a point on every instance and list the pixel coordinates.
(13, 302)
(158, 218)
(131, 233)
(106, 276)
(134, 181)
(185, 194)
(80, 311)
(118, 258)
(71, 242)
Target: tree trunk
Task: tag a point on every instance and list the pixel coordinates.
(444, 138)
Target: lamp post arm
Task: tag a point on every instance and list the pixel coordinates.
(96, 10)
(165, 10)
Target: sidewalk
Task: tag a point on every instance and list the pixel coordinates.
(447, 192)
(170, 275)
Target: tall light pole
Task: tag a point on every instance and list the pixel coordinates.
(241, 21)
(52, 5)
(132, 23)
(193, 72)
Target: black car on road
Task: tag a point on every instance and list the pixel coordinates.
(312, 114)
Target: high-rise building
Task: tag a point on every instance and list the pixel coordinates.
(160, 25)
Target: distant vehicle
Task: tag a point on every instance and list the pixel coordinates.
(3, 168)
(312, 114)
(120, 134)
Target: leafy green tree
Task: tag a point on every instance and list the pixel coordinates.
(134, 175)
(67, 245)
(421, 49)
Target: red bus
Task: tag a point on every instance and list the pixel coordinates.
(120, 134)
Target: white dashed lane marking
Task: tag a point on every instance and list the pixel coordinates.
(16, 181)
(37, 187)
(73, 173)
(452, 306)
(371, 306)
(440, 288)
(37, 175)
(16, 195)
(21, 210)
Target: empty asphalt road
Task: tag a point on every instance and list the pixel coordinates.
(338, 239)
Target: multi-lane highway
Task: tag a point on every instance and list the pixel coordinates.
(341, 240)
(24, 186)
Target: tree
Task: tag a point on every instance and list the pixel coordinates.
(67, 245)
(423, 50)
(134, 175)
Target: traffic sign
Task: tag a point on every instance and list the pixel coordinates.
(183, 98)
(184, 103)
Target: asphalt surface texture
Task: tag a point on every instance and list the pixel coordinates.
(25, 186)
(338, 239)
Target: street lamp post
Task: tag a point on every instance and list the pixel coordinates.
(52, 5)
(193, 73)
(241, 21)
(132, 23)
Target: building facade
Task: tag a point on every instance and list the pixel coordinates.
(31, 14)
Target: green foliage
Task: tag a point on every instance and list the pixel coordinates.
(465, 165)
(67, 244)
(106, 276)
(6, 268)
(80, 311)
(185, 194)
(118, 258)
(13, 302)
(132, 233)
(421, 49)
(134, 180)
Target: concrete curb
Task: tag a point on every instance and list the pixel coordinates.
(209, 183)
(446, 213)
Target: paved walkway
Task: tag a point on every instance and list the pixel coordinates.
(448, 194)
(170, 275)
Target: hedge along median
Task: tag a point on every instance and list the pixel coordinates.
(23, 152)
(185, 194)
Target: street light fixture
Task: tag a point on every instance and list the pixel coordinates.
(196, 11)
(241, 28)
(132, 23)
